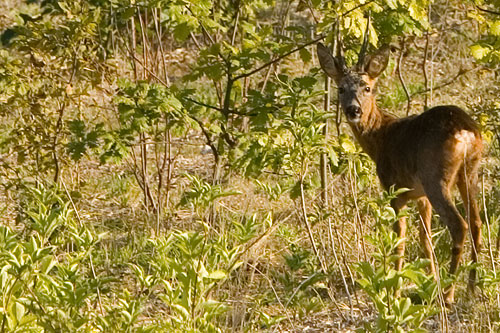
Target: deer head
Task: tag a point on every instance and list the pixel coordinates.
(357, 84)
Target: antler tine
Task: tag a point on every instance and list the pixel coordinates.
(340, 47)
(364, 46)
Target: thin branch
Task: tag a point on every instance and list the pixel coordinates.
(195, 41)
(235, 28)
(203, 104)
(227, 94)
(267, 64)
(266, 79)
(145, 46)
(311, 10)
(283, 27)
(400, 76)
(357, 7)
(337, 47)
(487, 11)
(424, 70)
(134, 45)
(203, 29)
(149, 71)
(156, 16)
(461, 72)
(230, 111)
(207, 136)
(205, 33)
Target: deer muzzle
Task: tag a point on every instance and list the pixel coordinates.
(353, 113)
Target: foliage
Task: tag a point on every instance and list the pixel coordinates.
(43, 285)
(53, 61)
(383, 283)
(180, 144)
(486, 50)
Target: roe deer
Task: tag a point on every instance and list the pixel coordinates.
(427, 153)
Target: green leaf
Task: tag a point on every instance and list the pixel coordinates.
(348, 146)
(181, 31)
(128, 13)
(64, 6)
(495, 28)
(305, 55)
(334, 158)
(306, 82)
(19, 311)
(217, 275)
(478, 51)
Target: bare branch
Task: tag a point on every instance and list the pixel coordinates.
(357, 7)
(424, 70)
(207, 136)
(149, 71)
(487, 11)
(203, 104)
(400, 76)
(267, 64)
(460, 72)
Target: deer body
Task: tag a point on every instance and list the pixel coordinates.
(428, 154)
(404, 150)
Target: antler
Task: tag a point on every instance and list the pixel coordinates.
(340, 49)
(364, 46)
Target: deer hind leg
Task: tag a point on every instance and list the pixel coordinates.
(468, 187)
(400, 229)
(440, 198)
(425, 210)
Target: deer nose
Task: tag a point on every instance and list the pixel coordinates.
(353, 111)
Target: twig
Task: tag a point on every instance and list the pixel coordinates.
(134, 45)
(207, 136)
(336, 47)
(266, 78)
(203, 29)
(235, 28)
(424, 70)
(357, 7)
(401, 80)
(487, 220)
(311, 10)
(150, 71)
(227, 94)
(487, 11)
(461, 72)
(156, 16)
(267, 64)
(145, 46)
(195, 41)
(323, 162)
(203, 104)
(337, 262)
(313, 242)
(308, 227)
(358, 225)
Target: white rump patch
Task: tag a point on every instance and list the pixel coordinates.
(464, 139)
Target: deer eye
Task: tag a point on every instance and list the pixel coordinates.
(367, 89)
(341, 90)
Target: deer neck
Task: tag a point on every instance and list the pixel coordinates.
(370, 130)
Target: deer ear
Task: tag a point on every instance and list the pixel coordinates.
(330, 65)
(376, 63)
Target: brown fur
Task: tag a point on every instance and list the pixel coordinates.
(428, 153)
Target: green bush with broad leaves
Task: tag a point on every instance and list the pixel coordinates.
(390, 291)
